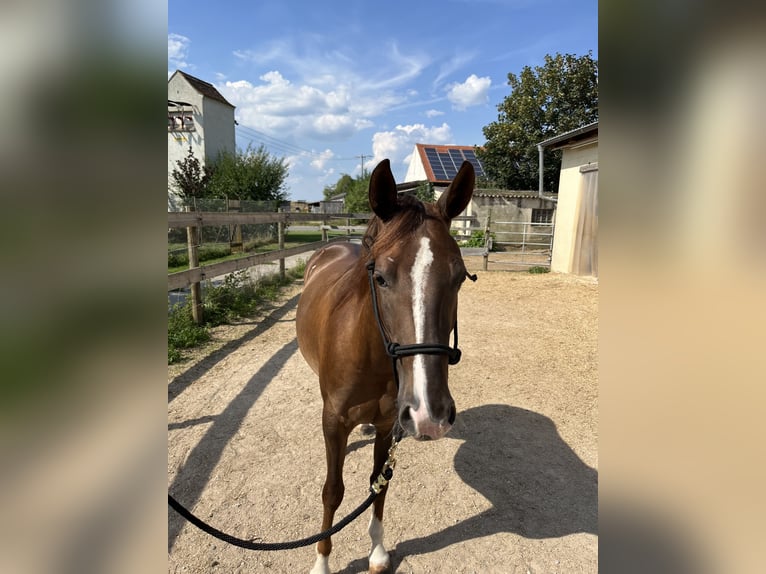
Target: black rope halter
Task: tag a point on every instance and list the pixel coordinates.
(397, 351)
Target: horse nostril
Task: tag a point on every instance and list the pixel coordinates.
(405, 415)
(452, 415)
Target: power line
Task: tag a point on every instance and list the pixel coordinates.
(282, 146)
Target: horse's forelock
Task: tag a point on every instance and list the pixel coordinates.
(380, 235)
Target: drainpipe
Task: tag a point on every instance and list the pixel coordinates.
(540, 182)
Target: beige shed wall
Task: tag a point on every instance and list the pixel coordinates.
(569, 204)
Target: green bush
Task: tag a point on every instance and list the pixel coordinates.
(183, 333)
(539, 269)
(236, 297)
(477, 239)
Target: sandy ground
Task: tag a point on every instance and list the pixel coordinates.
(512, 489)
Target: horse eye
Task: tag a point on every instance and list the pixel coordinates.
(380, 280)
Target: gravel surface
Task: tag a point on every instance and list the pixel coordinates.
(513, 487)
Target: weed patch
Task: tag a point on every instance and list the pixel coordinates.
(539, 269)
(237, 297)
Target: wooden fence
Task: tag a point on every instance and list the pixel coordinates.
(193, 221)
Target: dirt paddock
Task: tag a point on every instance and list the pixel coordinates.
(512, 489)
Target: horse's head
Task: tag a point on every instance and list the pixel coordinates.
(418, 271)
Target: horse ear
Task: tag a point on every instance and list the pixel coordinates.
(383, 198)
(458, 195)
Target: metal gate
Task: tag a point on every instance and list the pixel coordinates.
(521, 244)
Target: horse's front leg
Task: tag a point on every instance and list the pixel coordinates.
(335, 440)
(379, 561)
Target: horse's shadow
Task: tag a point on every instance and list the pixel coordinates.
(515, 458)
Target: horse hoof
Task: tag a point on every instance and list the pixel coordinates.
(367, 430)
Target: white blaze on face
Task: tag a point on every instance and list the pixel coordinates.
(419, 275)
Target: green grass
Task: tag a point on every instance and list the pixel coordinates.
(237, 297)
(539, 269)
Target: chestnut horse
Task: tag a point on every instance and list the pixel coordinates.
(401, 284)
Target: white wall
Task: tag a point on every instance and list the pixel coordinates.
(213, 133)
(218, 129)
(569, 204)
(415, 171)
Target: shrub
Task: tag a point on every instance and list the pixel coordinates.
(237, 296)
(539, 269)
(183, 332)
(477, 239)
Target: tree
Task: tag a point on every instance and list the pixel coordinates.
(191, 178)
(341, 186)
(357, 195)
(425, 192)
(252, 174)
(546, 101)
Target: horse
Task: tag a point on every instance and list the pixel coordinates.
(358, 302)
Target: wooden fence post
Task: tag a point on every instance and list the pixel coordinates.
(487, 242)
(324, 228)
(281, 233)
(192, 239)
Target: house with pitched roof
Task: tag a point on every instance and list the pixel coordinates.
(200, 118)
(438, 165)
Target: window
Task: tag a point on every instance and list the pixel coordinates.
(180, 122)
(542, 216)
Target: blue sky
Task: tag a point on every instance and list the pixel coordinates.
(322, 83)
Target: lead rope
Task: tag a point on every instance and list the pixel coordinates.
(386, 473)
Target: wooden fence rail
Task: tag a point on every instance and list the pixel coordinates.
(204, 218)
(192, 275)
(193, 221)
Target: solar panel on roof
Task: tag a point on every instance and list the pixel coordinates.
(445, 164)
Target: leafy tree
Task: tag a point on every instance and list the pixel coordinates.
(341, 186)
(425, 192)
(546, 101)
(191, 178)
(357, 195)
(252, 174)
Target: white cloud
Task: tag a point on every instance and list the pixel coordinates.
(452, 65)
(321, 161)
(472, 92)
(178, 50)
(290, 110)
(397, 144)
(434, 113)
(319, 90)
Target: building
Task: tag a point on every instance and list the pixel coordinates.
(438, 164)
(198, 117)
(575, 241)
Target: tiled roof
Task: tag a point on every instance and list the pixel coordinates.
(205, 88)
(504, 193)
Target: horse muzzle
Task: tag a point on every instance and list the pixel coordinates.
(421, 425)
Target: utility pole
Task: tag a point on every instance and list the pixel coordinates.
(362, 158)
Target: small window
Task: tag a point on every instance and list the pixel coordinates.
(542, 215)
(180, 122)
